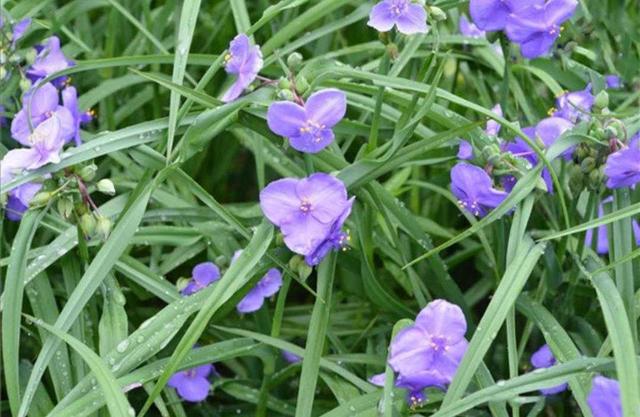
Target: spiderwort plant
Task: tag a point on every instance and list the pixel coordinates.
(308, 126)
(245, 62)
(623, 167)
(409, 17)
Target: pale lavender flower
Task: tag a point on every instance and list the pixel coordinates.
(308, 127)
(543, 358)
(265, 288)
(46, 144)
(469, 29)
(492, 15)
(474, 190)
(537, 27)
(427, 353)
(19, 198)
(623, 167)
(50, 59)
(42, 103)
(602, 239)
(202, 275)
(306, 210)
(193, 384)
(407, 16)
(245, 62)
(604, 398)
(575, 106)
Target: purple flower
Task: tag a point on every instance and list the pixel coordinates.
(537, 27)
(543, 358)
(469, 29)
(604, 398)
(42, 104)
(602, 240)
(265, 288)
(493, 127)
(427, 353)
(308, 127)
(202, 275)
(492, 15)
(575, 106)
(291, 357)
(306, 210)
(546, 132)
(192, 385)
(415, 398)
(245, 62)
(465, 150)
(50, 59)
(474, 190)
(46, 143)
(623, 167)
(407, 16)
(19, 199)
(336, 239)
(70, 102)
(613, 81)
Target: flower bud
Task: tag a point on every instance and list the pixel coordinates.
(182, 283)
(294, 60)
(88, 172)
(596, 179)
(602, 100)
(588, 164)
(285, 95)
(437, 13)
(284, 84)
(30, 56)
(40, 199)
(87, 224)
(103, 227)
(106, 186)
(65, 207)
(25, 84)
(302, 85)
(392, 50)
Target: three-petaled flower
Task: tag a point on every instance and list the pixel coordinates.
(192, 384)
(473, 188)
(407, 16)
(245, 62)
(202, 275)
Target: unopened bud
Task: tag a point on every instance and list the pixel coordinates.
(294, 60)
(437, 13)
(103, 227)
(25, 84)
(30, 56)
(87, 224)
(602, 100)
(596, 178)
(106, 186)
(588, 164)
(88, 172)
(392, 50)
(182, 283)
(285, 95)
(302, 85)
(65, 207)
(41, 199)
(284, 84)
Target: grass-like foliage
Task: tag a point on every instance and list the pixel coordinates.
(320, 208)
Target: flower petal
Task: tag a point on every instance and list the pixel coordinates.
(414, 20)
(279, 200)
(381, 18)
(205, 273)
(312, 143)
(303, 233)
(326, 194)
(442, 319)
(194, 389)
(326, 107)
(286, 118)
(270, 283)
(251, 302)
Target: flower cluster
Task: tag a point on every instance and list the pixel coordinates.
(310, 213)
(427, 353)
(533, 24)
(49, 118)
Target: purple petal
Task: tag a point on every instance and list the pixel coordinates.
(205, 273)
(604, 398)
(493, 127)
(381, 17)
(414, 20)
(378, 380)
(623, 168)
(236, 88)
(286, 118)
(279, 200)
(489, 15)
(326, 107)
(203, 371)
(20, 28)
(410, 351)
(238, 50)
(465, 150)
(443, 320)
(537, 45)
(613, 81)
(270, 283)
(421, 379)
(448, 360)
(543, 357)
(559, 11)
(15, 161)
(50, 59)
(291, 357)
(194, 389)
(469, 29)
(251, 302)
(303, 233)
(326, 194)
(14, 209)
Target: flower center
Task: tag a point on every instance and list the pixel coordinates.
(228, 57)
(471, 205)
(314, 129)
(305, 206)
(554, 30)
(399, 7)
(439, 343)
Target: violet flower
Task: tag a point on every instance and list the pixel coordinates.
(265, 288)
(427, 353)
(492, 15)
(474, 190)
(306, 210)
(604, 398)
(408, 17)
(19, 198)
(613, 81)
(465, 150)
(192, 385)
(469, 29)
(202, 275)
(42, 103)
(414, 398)
(50, 59)
(543, 358)
(308, 127)
(336, 239)
(291, 357)
(537, 27)
(602, 239)
(245, 62)
(575, 106)
(623, 167)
